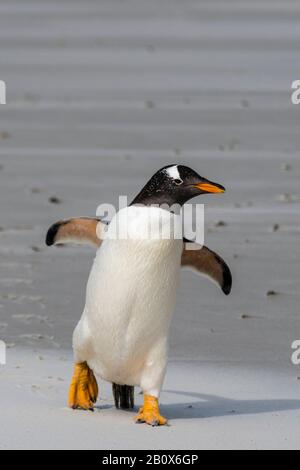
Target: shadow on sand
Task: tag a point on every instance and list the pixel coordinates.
(211, 406)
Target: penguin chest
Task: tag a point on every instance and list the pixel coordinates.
(131, 296)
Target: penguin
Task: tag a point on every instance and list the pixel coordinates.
(122, 335)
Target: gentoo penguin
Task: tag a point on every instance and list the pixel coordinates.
(122, 335)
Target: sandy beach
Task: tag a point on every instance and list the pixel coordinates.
(99, 96)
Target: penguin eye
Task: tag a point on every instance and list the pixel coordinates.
(178, 181)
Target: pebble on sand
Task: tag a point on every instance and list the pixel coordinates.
(54, 200)
(150, 104)
(4, 135)
(36, 249)
(36, 190)
(286, 167)
(271, 293)
(245, 103)
(221, 223)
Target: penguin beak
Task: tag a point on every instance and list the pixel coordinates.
(208, 187)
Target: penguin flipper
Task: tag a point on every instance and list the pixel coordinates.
(208, 263)
(80, 230)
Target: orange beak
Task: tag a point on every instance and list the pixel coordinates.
(210, 188)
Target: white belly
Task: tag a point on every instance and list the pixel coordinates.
(131, 295)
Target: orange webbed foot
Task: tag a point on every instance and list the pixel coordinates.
(149, 412)
(83, 392)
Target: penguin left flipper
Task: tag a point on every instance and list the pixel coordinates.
(207, 262)
(82, 230)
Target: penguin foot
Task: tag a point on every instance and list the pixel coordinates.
(149, 413)
(83, 392)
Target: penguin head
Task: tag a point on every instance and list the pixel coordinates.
(175, 184)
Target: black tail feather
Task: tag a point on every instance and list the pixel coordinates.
(123, 396)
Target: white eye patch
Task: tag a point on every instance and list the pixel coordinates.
(173, 173)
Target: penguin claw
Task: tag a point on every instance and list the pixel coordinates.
(139, 421)
(83, 391)
(156, 420)
(154, 423)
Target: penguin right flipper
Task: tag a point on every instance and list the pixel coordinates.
(207, 262)
(80, 230)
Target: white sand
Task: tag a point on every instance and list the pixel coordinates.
(100, 95)
(209, 405)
